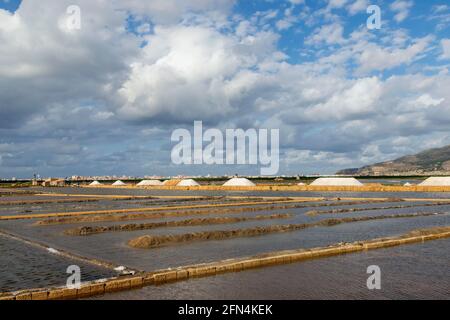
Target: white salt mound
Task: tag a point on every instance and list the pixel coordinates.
(150, 183)
(188, 183)
(119, 183)
(120, 268)
(95, 183)
(337, 182)
(51, 250)
(239, 182)
(172, 182)
(301, 184)
(436, 182)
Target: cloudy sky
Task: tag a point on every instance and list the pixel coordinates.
(105, 99)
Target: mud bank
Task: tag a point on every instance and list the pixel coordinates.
(350, 210)
(155, 241)
(86, 230)
(231, 265)
(62, 253)
(5, 192)
(155, 209)
(295, 188)
(144, 216)
(99, 196)
(27, 202)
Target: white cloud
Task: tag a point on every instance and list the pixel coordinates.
(336, 4)
(203, 62)
(401, 8)
(194, 64)
(297, 2)
(428, 101)
(440, 8)
(172, 11)
(358, 6)
(354, 102)
(445, 43)
(41, 64)
(288, 20)
(329, 34)
(377, 58)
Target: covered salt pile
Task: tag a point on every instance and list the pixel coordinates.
(337, 182)
(172, 182)
(149, 183)
(436, 182)
(119, 183)
(188, 183)
(239, 182)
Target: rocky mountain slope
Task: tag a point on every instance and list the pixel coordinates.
(429, 162)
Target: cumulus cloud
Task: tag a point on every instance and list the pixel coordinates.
(358, 6)
(401, 9)
(171, 11)
(42, 64)
(374, 57)
(296, 2)
(332, 4)
(195, 64)
(329, 34)
(104, 98)
(445, 43)
(288, 20)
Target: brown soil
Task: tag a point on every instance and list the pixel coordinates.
(157, 215)
(349, 210)
(151, 241)
(425, 232)
(140, 210)
(86, 230)
(26, 202)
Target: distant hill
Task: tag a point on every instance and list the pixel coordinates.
(429, 162)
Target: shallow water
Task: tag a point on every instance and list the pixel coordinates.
(39, 268)
(113, 246)
(146, 192)
(419, 271)
(24, 266)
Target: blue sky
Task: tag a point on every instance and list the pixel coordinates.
(105, 98)
(10, 5)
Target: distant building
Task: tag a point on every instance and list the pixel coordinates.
(54, 182)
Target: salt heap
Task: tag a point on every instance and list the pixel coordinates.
(149, 183)
(301, 184)
(407, 184)
(337, 182)
(119, 183)
(239, 182)
(95, 183)
(188, 183)
(436, 182)
(172, 182)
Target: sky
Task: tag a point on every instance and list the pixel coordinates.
(104, 98)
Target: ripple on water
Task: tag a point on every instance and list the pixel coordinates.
(26, 267)
(418, 271)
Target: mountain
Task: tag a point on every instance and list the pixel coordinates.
(429, 162)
